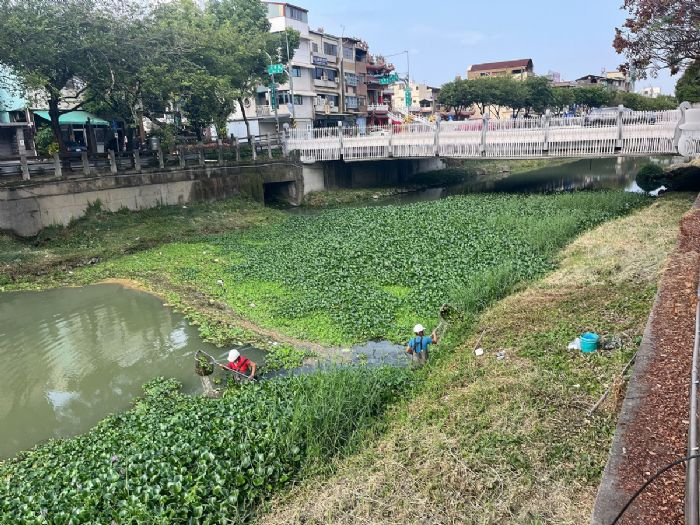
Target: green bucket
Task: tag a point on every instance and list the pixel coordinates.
(589, 342)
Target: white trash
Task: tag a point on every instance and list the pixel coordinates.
(575, 344)
(479, 352)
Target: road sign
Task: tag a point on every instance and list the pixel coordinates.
(275, 69)
(273, 96)
(389, 79)
(409, 97)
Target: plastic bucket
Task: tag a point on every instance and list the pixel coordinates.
(589, 342)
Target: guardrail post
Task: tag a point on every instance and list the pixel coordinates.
(437, 137)
(220, 147)
(181, 157)
(137, 161)
(268, 137)
(237, 145)
(57, 169)
(620, 109)
(112, 161)
(340, 137)
(390, 151)
(161, 158)
(685, 106)
(546, 118)
(484, 127)
(24, 165)
(86, 163)
(284, 138)
(252, 141)
(200, 155)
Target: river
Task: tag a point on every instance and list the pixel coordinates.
(72, 356)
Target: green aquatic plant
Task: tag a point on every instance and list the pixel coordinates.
(180, 459)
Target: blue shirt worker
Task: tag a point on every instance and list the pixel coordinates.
(418, 345)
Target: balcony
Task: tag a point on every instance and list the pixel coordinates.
(331, 84)
(325, 109)
(378, 108)
(264, 111)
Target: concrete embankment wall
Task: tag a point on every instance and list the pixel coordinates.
(27, 209)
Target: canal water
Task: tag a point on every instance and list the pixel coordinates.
(71, 356)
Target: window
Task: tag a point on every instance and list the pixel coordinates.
(296, 71)
(314, 47)
(330, 49)
(350, 79)
(274, 10)
(298, 100)
(361, 79)
(351, 102)
(296, 14)
(348, 53)
(324, 74)
(331, 74)
(362, 101)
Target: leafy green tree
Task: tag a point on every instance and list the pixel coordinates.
(592, 97)
(688, 86)
(563, 98)
(457, 95)
(49, 43)
(538, 93)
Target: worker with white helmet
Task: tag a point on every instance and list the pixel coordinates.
(240, 364)
(418, 345)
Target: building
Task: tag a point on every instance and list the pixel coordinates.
(297, 108)
(423, 98)
(519, 69)
(651, 92)
(613, 81)
(16, 126)
(380, 93)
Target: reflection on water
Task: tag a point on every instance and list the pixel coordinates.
(71, 356)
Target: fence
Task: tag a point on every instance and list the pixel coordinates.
(182, 157)
(598, 134)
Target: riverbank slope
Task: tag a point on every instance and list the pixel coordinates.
(511, 441)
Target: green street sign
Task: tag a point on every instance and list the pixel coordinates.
(409, 98)
(273, 96)
(275, 69)
(389, 79)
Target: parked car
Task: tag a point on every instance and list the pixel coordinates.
(74, 150)
(608, 116)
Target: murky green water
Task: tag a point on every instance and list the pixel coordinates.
(71, 356)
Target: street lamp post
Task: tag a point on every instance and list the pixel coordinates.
(291, 79)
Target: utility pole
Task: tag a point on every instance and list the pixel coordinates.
(342, 73)
(291, 77)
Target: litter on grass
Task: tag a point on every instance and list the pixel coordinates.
(575, 344)
(479, 352)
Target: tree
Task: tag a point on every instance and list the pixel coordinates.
(563, 98)
(49, 43)
(592, 97)
(538, 93)
(688, 86)
(457, 95)
(659, 34)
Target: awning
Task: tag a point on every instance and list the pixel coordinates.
(74, 117)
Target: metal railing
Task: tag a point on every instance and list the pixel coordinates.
(624, 133)
(692, 476)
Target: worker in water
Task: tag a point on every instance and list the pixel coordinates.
(418, 345)
(240, 364)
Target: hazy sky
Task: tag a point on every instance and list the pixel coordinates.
(573, 37)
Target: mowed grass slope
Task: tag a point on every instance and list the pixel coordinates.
(488, 441)
(352, 275)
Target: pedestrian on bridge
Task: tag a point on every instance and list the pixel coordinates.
(418, 346)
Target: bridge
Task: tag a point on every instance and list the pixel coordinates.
(620, 132)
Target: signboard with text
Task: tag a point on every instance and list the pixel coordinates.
(389, 79)
(320, 61)
(275, 69)
(409, 98)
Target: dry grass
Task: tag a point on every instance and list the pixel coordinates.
(488, 441)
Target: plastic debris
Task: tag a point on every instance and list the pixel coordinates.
(658, 191)
(501, 356)
(575, 344)
(220, 282)
(479, 352)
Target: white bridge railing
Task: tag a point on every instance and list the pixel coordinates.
(600, 134)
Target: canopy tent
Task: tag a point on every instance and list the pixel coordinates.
(75, 118)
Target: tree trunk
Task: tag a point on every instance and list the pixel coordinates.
(245, 119)
(54, 115)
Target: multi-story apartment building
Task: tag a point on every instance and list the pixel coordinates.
(518, 69)
(328, 109)
(423, 98)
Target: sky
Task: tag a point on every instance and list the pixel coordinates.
(443, 37)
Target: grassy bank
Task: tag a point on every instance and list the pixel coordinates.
(511, 441)
(352, 275)
(101, 235)
(181, 459)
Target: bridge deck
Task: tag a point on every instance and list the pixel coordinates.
(618, 133)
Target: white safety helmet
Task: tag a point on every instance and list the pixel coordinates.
(233, 355)
(418, 328)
